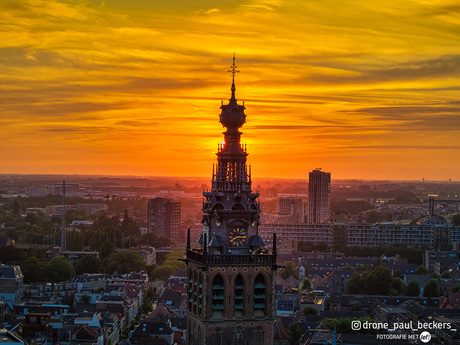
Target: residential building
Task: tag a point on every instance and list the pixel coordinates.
(366, 235)
(292, 207)
(164, 218)
(92, 208)
(11, 283)
(148, 253)
(72, 255)
(319, 195)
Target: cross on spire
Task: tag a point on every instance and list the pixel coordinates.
(233, 70)
(233, 67)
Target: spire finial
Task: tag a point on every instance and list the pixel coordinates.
(233, 71)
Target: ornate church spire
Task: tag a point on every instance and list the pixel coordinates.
(230, 277)
(231, 173)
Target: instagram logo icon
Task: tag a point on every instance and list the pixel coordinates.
(355, 325)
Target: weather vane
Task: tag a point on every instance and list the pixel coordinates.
(233, 68)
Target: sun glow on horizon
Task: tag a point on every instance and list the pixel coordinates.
(117, 88)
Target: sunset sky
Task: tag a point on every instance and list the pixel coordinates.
(359, 88)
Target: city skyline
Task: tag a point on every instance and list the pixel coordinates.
(107, 88)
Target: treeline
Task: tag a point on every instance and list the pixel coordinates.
(106, 234)
(350, 207)
(60, 269)
(381, 281)
(172, 263)
(35, 228)
(37, 267)
(378, 281)
(398, 196)
(412, 255)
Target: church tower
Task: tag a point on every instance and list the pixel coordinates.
(230, 293)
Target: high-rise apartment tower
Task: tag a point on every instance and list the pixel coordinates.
(319, 196)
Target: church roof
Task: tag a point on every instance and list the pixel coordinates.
(215, 241)
(280, 332)
(256, 241)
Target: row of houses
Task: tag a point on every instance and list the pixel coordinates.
(88, 309)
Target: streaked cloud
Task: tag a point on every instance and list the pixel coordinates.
(135, 87)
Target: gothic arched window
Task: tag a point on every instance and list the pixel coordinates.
(217, 337)
(259, 296)
(238, 337)
(218, 295)
(239, 296)
(259, 336)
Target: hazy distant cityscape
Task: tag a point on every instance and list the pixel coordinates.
(352, 249)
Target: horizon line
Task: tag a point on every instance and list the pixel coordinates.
(262, 177)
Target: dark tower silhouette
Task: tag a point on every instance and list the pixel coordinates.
(431, 206)
(231, 276)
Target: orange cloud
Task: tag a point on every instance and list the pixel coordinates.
(135, 88)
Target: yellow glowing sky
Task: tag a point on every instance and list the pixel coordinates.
(359, 88)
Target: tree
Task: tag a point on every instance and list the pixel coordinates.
(171, 264)
(309, 310)
(373, 217)
(413, 255)
(378, 281)
(153, 240)
(146, 306)
(456, 288)
(85, 299)
(129, 226)
(431, 288)
(305, 285)
(162, 272)
(357, 306)
(16, 207)
(289, 270)
(446, 275)
(397, 285)
(11, 255)
(107, 248)
(421, 270)
(413, 289)
(74, 240)
(355, 284)
(151, 293)
(350, 207)
(125, 261)
(295, 332)
(33, 270)
(398, 274)
(88, 264)
(343, 325)
(59, 269)
(455, 219)
(31, 218)
(393, 292)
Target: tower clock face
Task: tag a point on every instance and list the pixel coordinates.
(238, 237)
